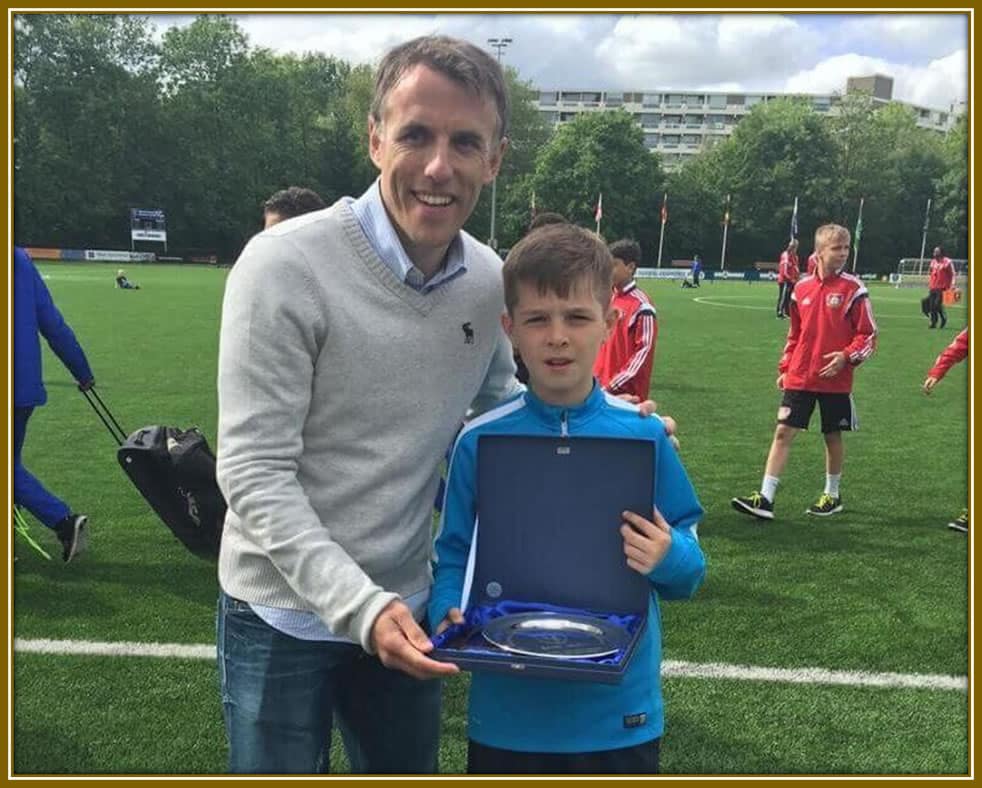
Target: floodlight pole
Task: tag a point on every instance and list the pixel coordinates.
(927, 216)
(499, 44)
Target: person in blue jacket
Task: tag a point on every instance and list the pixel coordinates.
(34, 313)
(557, 283)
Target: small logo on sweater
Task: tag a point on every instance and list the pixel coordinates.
(833, 300)
(468, 333)
(635, 720)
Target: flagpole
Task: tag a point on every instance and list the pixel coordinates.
(927, 218)
(661, 237)
(726, 226)
(794, 219)
(598, 214)
(859, 232)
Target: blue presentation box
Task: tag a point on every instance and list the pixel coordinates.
(548, 539)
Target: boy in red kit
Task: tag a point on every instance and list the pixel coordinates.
(812, 263)
(623, 365)
(832, 330)
(951, 355)
(941, 278)
(787, 274)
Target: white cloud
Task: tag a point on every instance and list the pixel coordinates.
(697, 51)
(920, 36)
(935, 85)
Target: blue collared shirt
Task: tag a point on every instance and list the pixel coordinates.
(375, 223)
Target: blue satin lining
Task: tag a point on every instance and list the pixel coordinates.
(467, 636)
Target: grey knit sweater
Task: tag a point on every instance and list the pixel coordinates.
(339, 390)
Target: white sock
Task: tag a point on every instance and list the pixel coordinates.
(832, 484)
(768, 487)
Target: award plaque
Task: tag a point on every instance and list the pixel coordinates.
(556, 635)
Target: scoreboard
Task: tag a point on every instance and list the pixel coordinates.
(148, 225)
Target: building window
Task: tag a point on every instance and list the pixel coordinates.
(547, 99)
(675, 99)
(735, 100)
(652, 140)
(650, 119)
(717, 102)
(651, 100)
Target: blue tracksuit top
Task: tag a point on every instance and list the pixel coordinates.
(34, 311)
(553, 715)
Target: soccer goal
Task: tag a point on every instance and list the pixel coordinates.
(915, 271)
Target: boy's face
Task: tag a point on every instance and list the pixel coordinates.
(833, 253)
(558, 339)
(623, 272)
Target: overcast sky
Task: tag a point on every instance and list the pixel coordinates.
(926, 54)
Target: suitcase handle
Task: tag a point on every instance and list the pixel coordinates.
(104, 414)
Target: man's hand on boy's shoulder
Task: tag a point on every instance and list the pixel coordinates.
(648, 408)
(645, 541)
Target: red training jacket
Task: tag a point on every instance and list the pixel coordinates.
(787, 268)
(827, 315)
(624, 362)
(812, 263)
(942, 275)
(950, 356)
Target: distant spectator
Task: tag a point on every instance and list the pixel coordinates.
(288, 203)
(941, 278)
(812, 264)
(787, 274)
(696, 270)
(123, 283)
(34, 313)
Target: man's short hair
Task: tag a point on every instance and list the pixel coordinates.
(627, 250)
(458, 60)
(828, 232)
(294, 201)
(555, 258)
(547, 217)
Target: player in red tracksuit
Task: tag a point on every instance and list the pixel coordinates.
(951, 355)
(623, 365)
(941, 278)
(832, 331)
(787, 274)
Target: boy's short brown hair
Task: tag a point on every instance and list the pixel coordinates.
(828, 232)
(627, 250)
(554, 258)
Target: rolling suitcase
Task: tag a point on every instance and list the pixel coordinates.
(174, 470)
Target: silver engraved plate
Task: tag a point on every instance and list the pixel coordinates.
(556, 635)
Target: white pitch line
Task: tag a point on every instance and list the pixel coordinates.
(714, 670)
(116, 649)
(670, 668)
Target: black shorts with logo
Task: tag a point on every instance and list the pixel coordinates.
(838, 410)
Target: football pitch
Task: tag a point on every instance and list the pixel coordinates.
(832, 645)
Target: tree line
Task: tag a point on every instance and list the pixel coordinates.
(205, 126)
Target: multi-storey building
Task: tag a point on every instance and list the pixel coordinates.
(680, 124)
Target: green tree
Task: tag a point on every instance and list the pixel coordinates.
(953, 190)
(86, 122)
(596, 153)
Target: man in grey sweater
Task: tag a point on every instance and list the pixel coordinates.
(354, 339)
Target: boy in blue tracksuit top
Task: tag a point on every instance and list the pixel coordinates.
(557, 291)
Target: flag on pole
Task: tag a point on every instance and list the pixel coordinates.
(859, 221)
(794, 220)
(599, 213)
(927, 215)
(726, 211)
(533, 203)
(664, 208)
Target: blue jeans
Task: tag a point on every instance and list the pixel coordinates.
(28, 491)
(280, 696)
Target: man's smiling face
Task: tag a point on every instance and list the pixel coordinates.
(435, 147)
